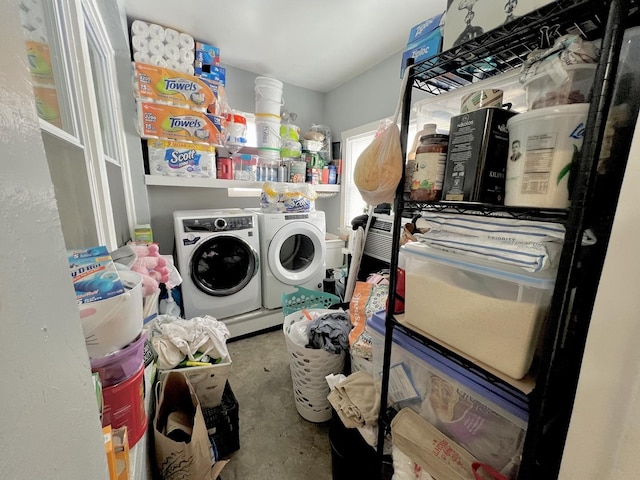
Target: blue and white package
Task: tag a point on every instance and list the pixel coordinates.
(181, 159)
(94, 274)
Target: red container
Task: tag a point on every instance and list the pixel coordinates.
(224, 168)
(123, 404)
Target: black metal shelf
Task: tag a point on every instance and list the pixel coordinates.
(579, 270)
(488, 210)
(506, 47)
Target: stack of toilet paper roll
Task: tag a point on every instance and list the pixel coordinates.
(33, 23)
(164, 47)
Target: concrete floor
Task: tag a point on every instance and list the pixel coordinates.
(275, 441)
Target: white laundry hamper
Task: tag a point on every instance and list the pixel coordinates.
(309, 367)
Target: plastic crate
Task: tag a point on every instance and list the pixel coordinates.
(304, 298)
(222, 424)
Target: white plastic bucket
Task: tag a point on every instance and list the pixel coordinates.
(268, 131)
(543, 143)
(113, 323)
(268, 95)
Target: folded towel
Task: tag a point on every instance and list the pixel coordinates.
(356, 400)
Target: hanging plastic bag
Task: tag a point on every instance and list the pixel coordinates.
(379, 167)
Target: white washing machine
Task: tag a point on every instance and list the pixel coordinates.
(292, 248)
(218, 257)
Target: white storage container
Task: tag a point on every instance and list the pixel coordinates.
(487, 421)
(493, 313)
(335, 257)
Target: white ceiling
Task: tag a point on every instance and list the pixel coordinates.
(316, 45)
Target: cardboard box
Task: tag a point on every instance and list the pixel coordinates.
(94, 275)
(425, 40)
(215, 74)
(420, 31)
(466, 20)
(477, 157)
(206, 56)
(121, 450)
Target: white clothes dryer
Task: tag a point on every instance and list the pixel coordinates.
(292, 248)
(218, 257)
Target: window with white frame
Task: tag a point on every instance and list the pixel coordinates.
(354, 142)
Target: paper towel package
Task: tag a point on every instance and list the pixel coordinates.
(181, 159)
(162, 85)
(177, 123)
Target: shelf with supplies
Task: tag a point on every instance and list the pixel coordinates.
(167, 181)
(482, 209)
(550, 386)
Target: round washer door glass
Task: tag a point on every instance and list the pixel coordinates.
(296, 253)
(223, 265)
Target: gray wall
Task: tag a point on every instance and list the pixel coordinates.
(367, 98)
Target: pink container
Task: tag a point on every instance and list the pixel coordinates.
(121, 364)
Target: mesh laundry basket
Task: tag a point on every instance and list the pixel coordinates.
(309, 367)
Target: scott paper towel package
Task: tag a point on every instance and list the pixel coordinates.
(181, 159)
(162, 85)
(178, 123)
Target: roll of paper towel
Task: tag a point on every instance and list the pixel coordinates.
(156, 31)
(172, 52)
(189, 69)
(156, 47)
(140, 29)
(141, 57)
(158, 60)
(185, 41)
(171, 37)
(139, 44)
(186, 55)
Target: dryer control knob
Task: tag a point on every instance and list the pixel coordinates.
(220, 223)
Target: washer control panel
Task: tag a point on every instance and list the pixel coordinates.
(217, 224)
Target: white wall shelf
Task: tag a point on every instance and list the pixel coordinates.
(166, 181)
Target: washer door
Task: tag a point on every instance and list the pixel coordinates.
(296, 253)
(223, 265)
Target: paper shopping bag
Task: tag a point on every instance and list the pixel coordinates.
(182, 447)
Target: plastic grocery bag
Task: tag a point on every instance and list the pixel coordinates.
(379, 167)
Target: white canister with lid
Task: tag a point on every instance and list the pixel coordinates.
(543, 144)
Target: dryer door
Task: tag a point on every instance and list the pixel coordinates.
(223, 265)
(296, 253)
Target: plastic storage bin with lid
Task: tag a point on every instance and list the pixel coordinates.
(491, 312)
(488, 422)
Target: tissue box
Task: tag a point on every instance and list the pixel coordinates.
(486, 16)
(425, 40)
(94, 274)
(181, 159)
(206, 56)
(177, 123)
(215, 74)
